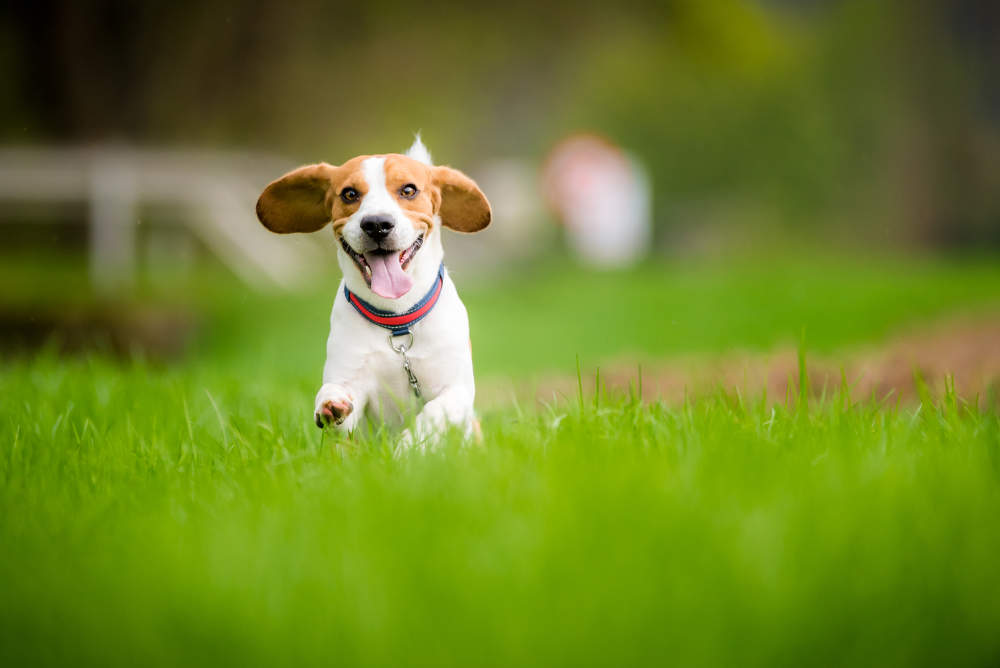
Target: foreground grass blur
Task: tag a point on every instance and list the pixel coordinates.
(150, 518)
(192, 514)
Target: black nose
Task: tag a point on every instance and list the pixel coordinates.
(377, 226)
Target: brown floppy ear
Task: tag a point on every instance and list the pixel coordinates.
(464, 207)
(297, 202)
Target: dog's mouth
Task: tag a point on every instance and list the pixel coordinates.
(385, 270)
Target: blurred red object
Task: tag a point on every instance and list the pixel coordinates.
(602, 195)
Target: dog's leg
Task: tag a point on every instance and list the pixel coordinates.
(341, 399)
(337, 405)
(451, 408)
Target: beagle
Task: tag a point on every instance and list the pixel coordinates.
(399, 334)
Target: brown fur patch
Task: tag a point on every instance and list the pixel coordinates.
(464, 207)
(298, 201)
(400, 171)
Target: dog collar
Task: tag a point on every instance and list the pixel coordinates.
(399, 324)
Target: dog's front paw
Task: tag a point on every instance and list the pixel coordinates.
(333, 412)
(333, 405)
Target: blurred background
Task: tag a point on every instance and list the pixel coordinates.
(828, 166)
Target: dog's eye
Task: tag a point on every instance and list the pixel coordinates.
(409, 191)
(349, 195)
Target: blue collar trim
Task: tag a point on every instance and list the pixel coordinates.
(398, 323)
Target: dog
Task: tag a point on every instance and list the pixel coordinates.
(399, 333)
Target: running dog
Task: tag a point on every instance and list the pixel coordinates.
(399, 333)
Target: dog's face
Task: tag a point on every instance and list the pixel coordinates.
(383, 213)
(386, 210)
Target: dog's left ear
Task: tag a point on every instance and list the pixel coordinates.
(463, 205)
(298, 201)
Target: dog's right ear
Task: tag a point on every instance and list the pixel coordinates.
(299, 201)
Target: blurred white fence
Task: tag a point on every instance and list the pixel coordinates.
(216, 190)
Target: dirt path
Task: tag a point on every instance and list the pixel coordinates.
(965, 348)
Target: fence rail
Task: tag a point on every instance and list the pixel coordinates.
(216, 190)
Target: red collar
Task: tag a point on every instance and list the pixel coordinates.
(398, 323)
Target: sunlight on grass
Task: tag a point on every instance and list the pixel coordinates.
(192, 514)
(170, 518)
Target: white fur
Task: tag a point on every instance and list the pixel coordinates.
(362, 368)
(419, 152)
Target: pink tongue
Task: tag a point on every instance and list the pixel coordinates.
(388, 279)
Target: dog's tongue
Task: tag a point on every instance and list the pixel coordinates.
(388, 278)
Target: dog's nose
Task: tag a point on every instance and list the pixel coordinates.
(377, 226)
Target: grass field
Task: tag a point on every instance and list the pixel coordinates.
(189, 513)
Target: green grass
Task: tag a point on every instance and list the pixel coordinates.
(540, 317)
(156, 519)
(684, 307)
(191, 514)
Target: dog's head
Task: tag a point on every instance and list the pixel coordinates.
(387, 211)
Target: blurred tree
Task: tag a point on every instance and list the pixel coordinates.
(849, 111)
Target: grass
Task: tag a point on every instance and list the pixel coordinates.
(190, 513)
(539, 318)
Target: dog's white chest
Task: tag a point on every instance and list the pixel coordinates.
(360, 356)
(392, 398)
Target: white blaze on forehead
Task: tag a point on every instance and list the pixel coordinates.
(377, 199)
